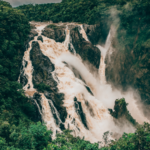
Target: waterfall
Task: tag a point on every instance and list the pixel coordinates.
(94, 119)
(111, 95)
(82, 31)
(46, 111)
(75, 88)
(102, 59)
(68, 41)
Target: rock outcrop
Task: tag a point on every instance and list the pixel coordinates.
(43, 80)
(85, 49)
(97, 33)
(31, 36)
(42, 67)
(93, 32)
(55, 32)
(79, 111)
(40, 38)
(121, 112)
(130, 68)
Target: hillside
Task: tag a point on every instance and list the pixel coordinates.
(64, 70)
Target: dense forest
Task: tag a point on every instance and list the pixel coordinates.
(20, 129)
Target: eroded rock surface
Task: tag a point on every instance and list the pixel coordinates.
(42, 66)
(79, 111)
(121, 112)
(43, 80)
(40, 38)
(55, 32)
(93, 32)
(31, 36)
(85, 49)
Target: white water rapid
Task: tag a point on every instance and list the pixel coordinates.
(95, 107)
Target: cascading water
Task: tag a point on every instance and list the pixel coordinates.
(108, 99)
(102, 60)
(82, 31)
(46, 112)
(73, 87)
(94, 119)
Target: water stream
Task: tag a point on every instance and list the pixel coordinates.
(98, 119)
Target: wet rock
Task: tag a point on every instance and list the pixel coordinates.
(28, 86)
(40, 38)
(120, 111)
(89, 90)
(42, 67)
(85, 49)
(79, 111)
(55, 32)
(26, 63)
(36, 100)
(70, 27)
(43, 79)
(57, 99)
(57, 116)
(90, 108)
(23, 79)
(32, 26)
(31, 36)
(93, 32)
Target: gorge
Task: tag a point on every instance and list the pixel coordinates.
(75, 75)
(86, 95)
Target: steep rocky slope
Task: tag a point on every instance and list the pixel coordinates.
(130, 68)
(85, 48)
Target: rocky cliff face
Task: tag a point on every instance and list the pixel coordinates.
(95, 33)
(121, 112)
(42, 67)
(64, 93)
(87, 51)
(23, 78)
(130, 67)
(55, 32)
(43, 79)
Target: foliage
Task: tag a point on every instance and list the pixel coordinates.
(36, 136)
(42, 87)
(140, 140)
(14, 30)
(17, 130)
(15, 108)
(65, 141)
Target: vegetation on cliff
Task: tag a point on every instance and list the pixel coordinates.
(130, 65)
(16, 110)
(121, 112)
(18, 127)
